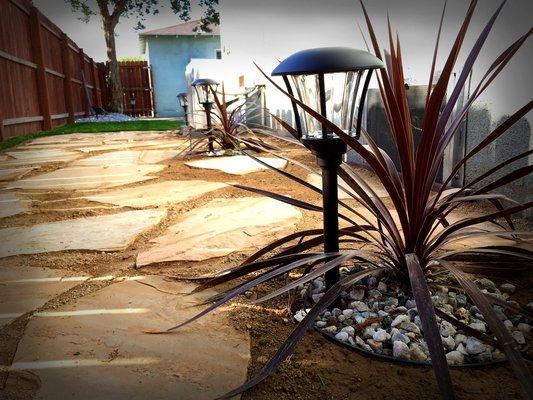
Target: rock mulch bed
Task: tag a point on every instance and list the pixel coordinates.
(109, 117)
(377, 316)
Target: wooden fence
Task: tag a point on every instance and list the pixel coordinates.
(46, 80)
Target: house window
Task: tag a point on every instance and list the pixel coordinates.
(218, 54)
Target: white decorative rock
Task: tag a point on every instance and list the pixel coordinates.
(330, 329)
(478, 326)
(396, 336)
(455, 358)
(399, 320)
(417, 354)
(380, 335)
(460, 338)
(448, 342)
(359, 306)
(508, 324)
(368, 332)
(474, 346)
(349, 330)
(410, 327)
(348, 313)
(519, 337)
(401, 350)
(508, 288)
(382, 287)
(524, 328)
(342, 336)
(461, 349)
(321, 324)
(447, 329)
(357, 294)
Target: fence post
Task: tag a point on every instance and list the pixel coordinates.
(84, 85)
(97, 96)
(42, 87)
(67, 82)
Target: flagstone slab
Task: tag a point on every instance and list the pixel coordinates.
(103, 233)
(157, 194)
(237, 165)
(316, 180)
(24, 289)
(221, 227)
(72, 178)
(153, 144)
(9, 174)
(11, 204)
(102, 355)
(127, 157)
(40, 156)
(58, 139)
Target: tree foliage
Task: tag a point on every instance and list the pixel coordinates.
(140, 9)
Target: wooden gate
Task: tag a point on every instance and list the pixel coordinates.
(136, 78)
(137, 85)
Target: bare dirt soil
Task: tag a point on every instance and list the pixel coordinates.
(318, 369)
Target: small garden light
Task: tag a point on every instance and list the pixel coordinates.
(330, 80)
(133, 102)
(184, 103)
(204, 90)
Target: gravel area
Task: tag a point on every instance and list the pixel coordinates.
(109, 117)
(377, 316)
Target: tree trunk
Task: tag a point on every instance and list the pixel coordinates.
(114, 82)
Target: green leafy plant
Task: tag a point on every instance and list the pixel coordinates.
(410, 248)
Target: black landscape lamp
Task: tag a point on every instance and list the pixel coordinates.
(204, 90)
(184, 103)
(333, 81)
(133, 103)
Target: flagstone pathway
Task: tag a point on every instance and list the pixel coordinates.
(92, 344)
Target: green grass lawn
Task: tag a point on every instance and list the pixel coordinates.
(95, 127)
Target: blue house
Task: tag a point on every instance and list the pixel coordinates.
(169, 51)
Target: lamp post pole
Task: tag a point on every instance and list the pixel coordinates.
(207, 107)
(329, 153)
(186, 115)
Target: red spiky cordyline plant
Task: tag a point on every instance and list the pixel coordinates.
(228, 126)
(410, 248)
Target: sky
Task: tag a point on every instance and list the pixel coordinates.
(89, 36)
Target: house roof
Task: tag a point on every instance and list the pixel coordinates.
(184, 29)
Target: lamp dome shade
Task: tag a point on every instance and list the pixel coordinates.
(324, 60)
(206, 81)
